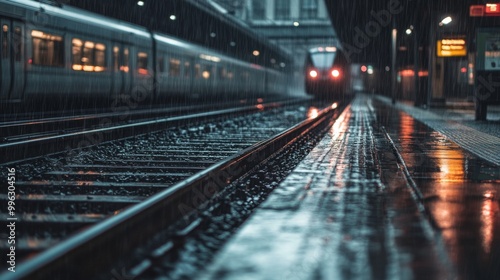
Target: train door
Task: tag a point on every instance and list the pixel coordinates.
(12, 59)
(117, 77)
(121, 69)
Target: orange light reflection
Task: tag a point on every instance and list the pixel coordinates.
(143, 71)
(488, 210)
(312, 113)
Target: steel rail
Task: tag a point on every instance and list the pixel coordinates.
(87, 253)
(36, 146)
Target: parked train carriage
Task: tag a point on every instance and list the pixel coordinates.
(174, 66)
(327, 73)
(79, 54)
(69, 53)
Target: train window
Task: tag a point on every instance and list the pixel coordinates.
(116, 58)
(197, 72)
(5, 41)
(77, 54)
(48, 49)
(88, 56)
(230, 75)
(100, 57)
(18, 43)
(323, 59)
(174, 67)
(142, 63)
(222, 72)
(124, 67)
(207, 72)
(187, 69)
(161, 64)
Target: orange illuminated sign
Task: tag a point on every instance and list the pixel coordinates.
(451, 47)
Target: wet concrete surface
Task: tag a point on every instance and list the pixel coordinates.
(461, 193)
(347, 211)
(478, 137)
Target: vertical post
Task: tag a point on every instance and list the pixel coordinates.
(432, 49)
(393, 51)
(416, 66)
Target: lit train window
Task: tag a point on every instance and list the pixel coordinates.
(116, 58)
(142, 63)
(77, 54)
(88, 56)
(100, 57)
(48, 49)
(161, 64)
(187, 69)
(5, 41)
(174, 67)
(207, 72)
(124, 67)
(18, 43)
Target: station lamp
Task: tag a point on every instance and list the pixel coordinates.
(140, 3)
(445, 21)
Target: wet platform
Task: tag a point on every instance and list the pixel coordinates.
(383, 196)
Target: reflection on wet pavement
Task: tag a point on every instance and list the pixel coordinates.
(461, 193)
(347, 211)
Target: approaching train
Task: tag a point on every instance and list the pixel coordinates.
(328, 73)
(59, 51)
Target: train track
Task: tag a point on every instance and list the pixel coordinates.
(66, 192)
(37, 136)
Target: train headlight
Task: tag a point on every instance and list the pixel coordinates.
(313, 73)
(335, 73)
